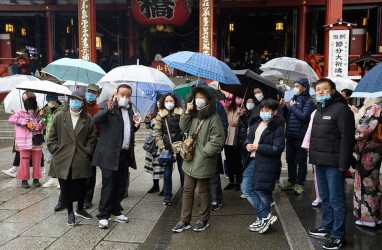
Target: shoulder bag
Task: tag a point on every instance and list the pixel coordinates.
(187, 149)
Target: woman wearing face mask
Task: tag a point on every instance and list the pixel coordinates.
(265, 143)
(169, 112)
(47, 114)
(232, 151)
(208, 143)
(27, 123)
(151, 163)
(71, 142)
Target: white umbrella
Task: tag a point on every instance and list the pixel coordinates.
(291, 68)
(9, 82)
(73, 85)
(343, 83)
(13, 101)
(275, 75)
(44, 87)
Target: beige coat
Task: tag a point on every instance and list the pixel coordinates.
(71, 148)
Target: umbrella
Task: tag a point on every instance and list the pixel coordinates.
(75, 69)
(202, 65)
(73, 85)
(343, 83)
(13, 100)
(289, 94)
(9, 82)
(291, 68)
(275, 75)
(44, 87)
(142, 103)
(184, 89)
(370, 86)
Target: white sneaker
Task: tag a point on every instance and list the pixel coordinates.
(316, 203)
(10, 172)
(366, 223)
(120, 218)
(243, 196)
(103, 224)
(53, 182)
(58, 186)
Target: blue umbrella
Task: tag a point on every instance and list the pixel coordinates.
(202, 65)
(370, 85)
(75, 69)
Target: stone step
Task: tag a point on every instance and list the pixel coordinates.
(7, 127)
(6, 139)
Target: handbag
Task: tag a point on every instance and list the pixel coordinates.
(165, 158)
(175, 147)
(38, 139)
(150, 145)
(187, 149)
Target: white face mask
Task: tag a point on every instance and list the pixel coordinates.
(250, 105)
(124, 102)
(259, 97)
(50, 105)
(200, 103)
(296, 91)
(169, 105)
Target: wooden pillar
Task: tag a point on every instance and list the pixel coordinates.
(217, 36)
(49, 35)
(333, 13)
(87, 30)
(302, 34)
(206, 27)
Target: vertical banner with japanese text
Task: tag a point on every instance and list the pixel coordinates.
(338, 53)
(206, 30)
(84, 30)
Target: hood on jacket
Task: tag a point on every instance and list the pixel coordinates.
(211, 103)
(276, 120)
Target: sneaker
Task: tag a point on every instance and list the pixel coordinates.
(58, 186)
(255, 226)
(71, 220)
(201, 225)
(318, 232)
(316, 203)
(83, 214)
(334, 243)
(120, 218)
(298, 189)
(88, 205)
(53, 182)
(371, 224)
(43, 170)
(103, 224)
(215, 205)
(167, 201)
(59, 207)
(10, 172)
(36, 183)
(286, 185)
(181, 226)
(25, 184)
(267, 222)
(242, 196)
(229, 186)
(273, 204)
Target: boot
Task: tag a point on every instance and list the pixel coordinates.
(155, 187)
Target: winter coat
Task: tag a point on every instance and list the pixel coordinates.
(267, 162)
(71, 149)
(210, 140)
(160, 128)
(47, 118)
(23, 136)
(110, 139)
(332, 138)
(299, 115)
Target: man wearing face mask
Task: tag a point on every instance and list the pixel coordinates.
(114, 153)
(299, 110)
(331, 147)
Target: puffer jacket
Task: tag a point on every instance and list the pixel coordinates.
(210, 140)
(160, 128)
(299, 115)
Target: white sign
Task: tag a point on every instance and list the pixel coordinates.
(206, 24)
(338, 53)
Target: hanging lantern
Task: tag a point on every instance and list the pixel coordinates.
(9, 28)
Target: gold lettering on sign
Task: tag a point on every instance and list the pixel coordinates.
(84, 29)
(206, 27)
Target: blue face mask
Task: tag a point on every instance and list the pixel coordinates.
(75, 104)
(266, 116)
(322, 99)
(90, 97)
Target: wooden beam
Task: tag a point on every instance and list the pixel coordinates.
(60, 8)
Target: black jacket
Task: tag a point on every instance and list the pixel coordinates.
(240, 132)
(332, 138)
(268, 155)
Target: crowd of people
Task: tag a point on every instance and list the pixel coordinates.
(244, 139)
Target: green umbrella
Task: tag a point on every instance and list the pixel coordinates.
(184, 89)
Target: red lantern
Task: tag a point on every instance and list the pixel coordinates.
(166, 12)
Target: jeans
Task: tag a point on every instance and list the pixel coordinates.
(330, 182)
(167, 178)
(260, 200)
(296, 158)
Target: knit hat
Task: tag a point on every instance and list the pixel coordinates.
(78, 94)
(303, 82)
(93, 87)
(51, 98)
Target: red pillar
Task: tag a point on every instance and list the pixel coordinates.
(333, 13)
(131, 34)
(49, 36)
(93, 34)
(302, 33)
(217, 35)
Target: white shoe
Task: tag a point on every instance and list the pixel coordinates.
(58, 186)
(43, 170)
(365, 223)
(316, 203)
(53, 182)
(243, 196)
(10, 172)
(120, 218)
(103, 224)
